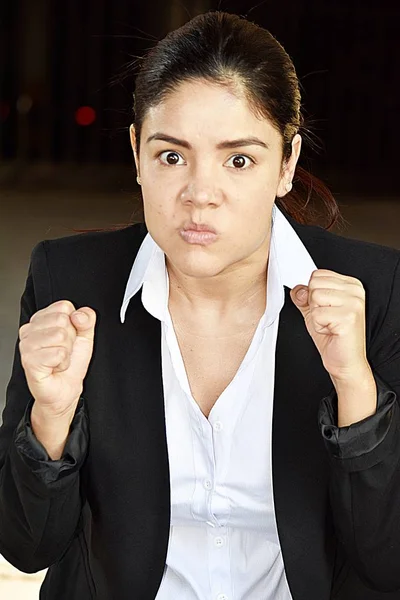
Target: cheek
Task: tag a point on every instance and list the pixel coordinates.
(154, 201)
(256, 206)
(160, 213)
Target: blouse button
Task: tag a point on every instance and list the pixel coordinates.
(217, 426)
(207, 484)
(219, 542)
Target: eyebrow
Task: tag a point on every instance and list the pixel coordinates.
(248, 141)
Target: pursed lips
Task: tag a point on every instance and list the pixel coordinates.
(199, 227)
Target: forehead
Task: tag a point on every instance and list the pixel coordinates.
(199, 109)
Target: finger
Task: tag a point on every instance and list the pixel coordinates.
(337, 278)
(44, 359)
(46, 321)
(331, 297)
(327, 297)
(62, 306)
(85, 328)
(338, 321)
(336, 282)
(47, 338)
(38, 337)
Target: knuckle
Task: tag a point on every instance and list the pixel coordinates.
(353, 317)
(357, 306)
(355, 280)
(63, 353)
(62, 320)
(61, 334)
(22, 331)
(65, 305)
(315, 294)
(21, 347)
(24, 362)
(24, 358)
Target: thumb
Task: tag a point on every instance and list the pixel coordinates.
(299, 296)
(84, 321)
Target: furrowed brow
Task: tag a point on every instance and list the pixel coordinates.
(249, 141)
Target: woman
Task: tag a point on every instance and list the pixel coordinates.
(206, 432)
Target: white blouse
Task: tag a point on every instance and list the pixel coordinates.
(223, 543)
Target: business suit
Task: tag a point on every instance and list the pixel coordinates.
(115, 547)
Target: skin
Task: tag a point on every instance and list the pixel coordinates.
(222, 284)
(334, 315)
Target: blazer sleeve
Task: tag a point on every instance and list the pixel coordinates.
(365, 464)
(35, 490)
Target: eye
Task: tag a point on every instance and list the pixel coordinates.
(169, 158)
(239, 162)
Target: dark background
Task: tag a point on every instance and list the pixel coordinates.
(57, 56)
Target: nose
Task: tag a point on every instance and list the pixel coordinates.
(201, 191)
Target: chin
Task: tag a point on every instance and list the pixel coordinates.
(195, 265)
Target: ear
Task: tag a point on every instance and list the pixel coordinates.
(289, 167)
(132, 133)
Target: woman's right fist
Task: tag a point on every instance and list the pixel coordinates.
(56, 349)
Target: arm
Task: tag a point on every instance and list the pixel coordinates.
(365, 464)
(35, 490)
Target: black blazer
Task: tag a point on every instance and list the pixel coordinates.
(99, 516)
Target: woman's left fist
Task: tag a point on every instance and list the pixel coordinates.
(333, 308)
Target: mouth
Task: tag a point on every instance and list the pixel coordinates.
(199, 227)
(200, 234)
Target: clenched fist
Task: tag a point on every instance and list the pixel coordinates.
(56, 348)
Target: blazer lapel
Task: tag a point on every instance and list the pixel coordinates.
(300, 466)
(131, 506)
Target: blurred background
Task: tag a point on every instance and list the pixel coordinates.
(65, 156)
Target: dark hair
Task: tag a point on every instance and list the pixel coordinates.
(229, 50)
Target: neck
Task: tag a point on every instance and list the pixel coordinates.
(230, 296)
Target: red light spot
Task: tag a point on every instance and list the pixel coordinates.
(85, 115)
(4, 110)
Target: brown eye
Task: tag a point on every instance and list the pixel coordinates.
(170, 158)
(241, 162)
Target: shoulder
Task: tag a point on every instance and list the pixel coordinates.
(347, 255)
(93, 246)
(84, 266)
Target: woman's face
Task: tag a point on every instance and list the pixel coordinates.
(220, 166)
